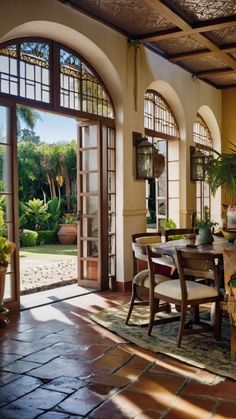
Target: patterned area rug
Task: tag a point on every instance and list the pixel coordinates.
(200, 350)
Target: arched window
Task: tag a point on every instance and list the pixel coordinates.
(46, 75)
(44, 72)
(204, 143)
(162, 194)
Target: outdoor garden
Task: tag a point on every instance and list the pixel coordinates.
(47, 206)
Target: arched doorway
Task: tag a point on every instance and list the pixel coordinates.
(44, 74)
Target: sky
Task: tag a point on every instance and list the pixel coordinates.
(55, 128)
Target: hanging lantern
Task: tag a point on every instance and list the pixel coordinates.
(197, 164)
(149, 163)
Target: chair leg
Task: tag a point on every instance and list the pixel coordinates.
(182, 324)
(154, 305)
(131, 304)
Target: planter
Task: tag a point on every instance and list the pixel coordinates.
(67, 233)
(3, 271)
(205, 236)
(3, 310)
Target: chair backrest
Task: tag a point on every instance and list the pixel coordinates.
(199, 265)
(146, 238)
(175, 233)
(139, 242)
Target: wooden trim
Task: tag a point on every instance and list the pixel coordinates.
(15, 183)
(157, 134)
(134, 212)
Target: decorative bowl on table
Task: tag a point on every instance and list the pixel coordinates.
(229, 234)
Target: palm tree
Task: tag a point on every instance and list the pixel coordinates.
(221, 171)
(26, 115)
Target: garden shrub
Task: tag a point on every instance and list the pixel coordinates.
(47, 237)
(28, 238)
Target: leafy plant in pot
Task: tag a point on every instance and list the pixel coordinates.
(221, 172)
(204, 227)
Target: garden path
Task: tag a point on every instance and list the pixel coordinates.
(41, 270)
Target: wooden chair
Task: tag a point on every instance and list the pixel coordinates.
(165, 266)
(188, 293)
(170, 234)
(141, 280)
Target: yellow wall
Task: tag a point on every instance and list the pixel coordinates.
(228, 117)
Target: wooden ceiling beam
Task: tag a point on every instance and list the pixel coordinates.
(200, 53)
(167, 13)
(219, 72)
(178, 32)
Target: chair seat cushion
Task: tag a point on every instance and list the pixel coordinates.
(142, 279)
(194, 289)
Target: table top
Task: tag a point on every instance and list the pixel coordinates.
(217, 247)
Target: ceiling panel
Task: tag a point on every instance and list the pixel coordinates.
(198, 35)
(179, 45)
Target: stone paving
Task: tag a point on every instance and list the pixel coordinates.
(40, 275)
(56, 363)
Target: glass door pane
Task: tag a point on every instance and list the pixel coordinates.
(88, 205)
(6, 197)
(96, 203)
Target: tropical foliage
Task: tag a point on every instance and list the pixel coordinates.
(38, 214)
(47, 181)
(47, 170)
(221, 171)
(6, 249)
(205, 222)
(26, 115)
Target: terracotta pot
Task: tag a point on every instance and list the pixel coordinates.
(3, 271)
(67, 233)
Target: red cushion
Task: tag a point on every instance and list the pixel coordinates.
(163, 270)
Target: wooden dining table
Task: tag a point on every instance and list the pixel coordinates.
(217, 248)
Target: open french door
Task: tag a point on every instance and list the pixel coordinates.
(8, 198)
(96, 205)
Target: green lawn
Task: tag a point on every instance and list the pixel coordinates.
(47, 250)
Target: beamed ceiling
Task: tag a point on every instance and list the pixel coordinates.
(197, 35)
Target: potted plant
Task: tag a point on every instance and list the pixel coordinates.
(6, 249)
(221, 171)
(67, 232)
(204, 227)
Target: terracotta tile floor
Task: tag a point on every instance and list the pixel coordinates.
(55, 363)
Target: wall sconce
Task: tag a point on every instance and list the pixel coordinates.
(149, 163)
(198, 164)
